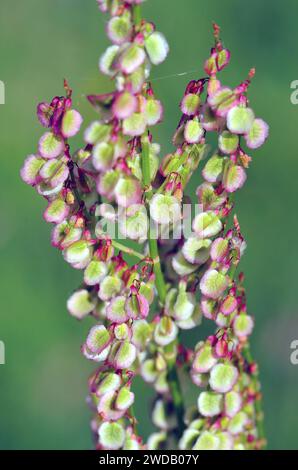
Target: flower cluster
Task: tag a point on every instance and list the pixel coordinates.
(226, 414)
(139, 309)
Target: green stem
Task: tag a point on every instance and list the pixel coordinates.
(177, 397)
(137, 15)
(152, 238)
(173, 379)
(127, 250)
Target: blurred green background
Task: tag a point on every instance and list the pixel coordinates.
(43, 384)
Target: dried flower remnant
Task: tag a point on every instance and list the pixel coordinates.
(139, 309)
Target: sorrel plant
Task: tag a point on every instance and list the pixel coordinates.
(172, 274)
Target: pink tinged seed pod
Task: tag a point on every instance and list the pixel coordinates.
(196, 250)
(122, 332)
(109, 287)
(94, 356)
(80, 304)
(213, 86)
(65, 234)
(210, 122)
(222, 320)
(257, 135)
(234, 179)
(78, 254)
(213, 284)
(135, 125)
(221, 349)
(122, 355)
(223, 377)
(219, 249)
(228, 143)
(50, 146)
(206, 224)
(48, 191)
(210, 404)
(193, 131)
(208, 307)
(243, 325)
(137, 306)
(240, 120)
(222, 59)
(190, 104)
(106, 183)
(157, 48)
(124, 105)
(124, 399)
(30, 170)
(127, 191)
(141, 334)
(209, 198)
(95, 272)
(107, 407)
(232, 403)
(131, 59)
(54, 172)
(116, 310)
(98, 339)
(119, 29)
(107, 60)
(165, 209)
(71, 123)
(106, 382)
(153, 112)
(111, 436)
(213, 169)
(44, 114)
(56, 211)
(103, 156)
(228, 305)
(222, 101)
(204, 359)
(166, 331)
(210, 64)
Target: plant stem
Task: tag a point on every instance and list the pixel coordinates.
(127, 250)
(173, 379)
(177, 397)
(152, 238)
(137, 15)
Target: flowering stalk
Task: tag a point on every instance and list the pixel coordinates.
(140, 308)
(229, 410)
